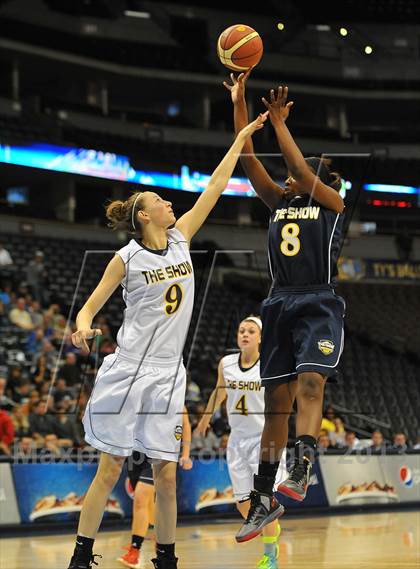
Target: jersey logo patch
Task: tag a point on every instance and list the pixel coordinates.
(326, 347)
(178, 432)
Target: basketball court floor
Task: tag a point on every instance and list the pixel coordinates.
(376, 541)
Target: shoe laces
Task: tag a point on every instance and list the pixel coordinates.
(265, 562)
(255, 501)
(300, 469)
(93, 558)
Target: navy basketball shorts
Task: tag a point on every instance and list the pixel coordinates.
(139, 469)
(302, 331)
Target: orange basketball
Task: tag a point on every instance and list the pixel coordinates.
(239, 47)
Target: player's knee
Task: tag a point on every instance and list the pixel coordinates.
(310, 386)
(109, 476)
(166, 482)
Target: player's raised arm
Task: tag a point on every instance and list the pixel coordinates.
(112, 277)
(263, 184)
(191, 221)
(298, 168)
(215, 400)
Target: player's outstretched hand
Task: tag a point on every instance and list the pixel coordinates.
(79, 337)
(278, 106)
(237, 88)
(185, 463)
(250, 128)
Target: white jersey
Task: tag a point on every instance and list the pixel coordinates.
(158, 290)
(245, 398)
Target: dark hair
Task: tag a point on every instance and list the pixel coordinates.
(321, 167)
(120, 213)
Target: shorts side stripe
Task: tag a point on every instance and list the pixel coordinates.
(278, 376)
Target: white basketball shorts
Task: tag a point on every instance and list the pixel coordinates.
(243, 457)
(135, 407)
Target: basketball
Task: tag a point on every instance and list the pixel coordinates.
(239, 47)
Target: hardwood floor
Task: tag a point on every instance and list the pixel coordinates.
(375, 541)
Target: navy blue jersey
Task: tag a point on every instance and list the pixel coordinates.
(303, 243)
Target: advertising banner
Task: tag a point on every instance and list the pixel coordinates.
(402, 472)
(362, 480)
(55, 492)
(206, 488)
(356, 269)
(9, 513)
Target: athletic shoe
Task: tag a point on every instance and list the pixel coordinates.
(268, 562)
(131, 558)
(297, 484)
(165, 563)
(78, 561)
(263, 510)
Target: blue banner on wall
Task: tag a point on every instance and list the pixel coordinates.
(55, 492)
(206, 488)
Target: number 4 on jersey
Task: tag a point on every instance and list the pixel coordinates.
(241, 406)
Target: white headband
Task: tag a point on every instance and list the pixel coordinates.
(134, 210)
(254, 319)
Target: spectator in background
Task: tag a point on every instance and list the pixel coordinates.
(106, 343)
(41, 424)
(36, 314)
(37, 278)
(5, 257)
(51, 446)
(22, 392)
(65, 426)
(50, 353)
(26, 447)
(417, 444)
(6, 294)
(34, 341)
(14, 379)
(378, 443)
(351, 441)
(339, 435)
(60, 329)
(70, 370)
(60, 391)
(40, 370)
(399, 442)
(54, 314)
(48, 326)
(7, 432)
(20, 422)
(327, 422)
(324, 442)
(20, 317)
(6, 403)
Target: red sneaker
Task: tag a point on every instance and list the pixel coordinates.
(131, 558)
